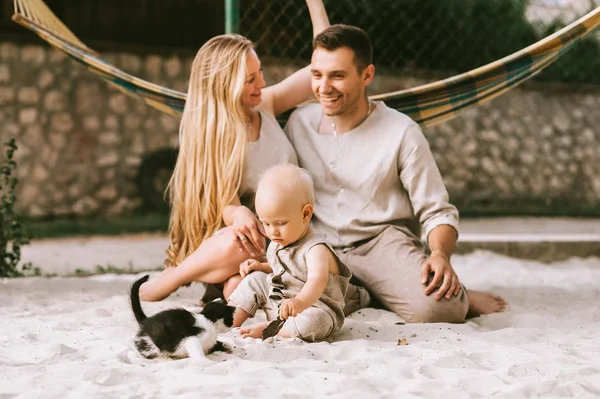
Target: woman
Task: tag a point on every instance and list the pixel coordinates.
(228, 136)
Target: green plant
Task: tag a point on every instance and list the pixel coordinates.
(12, 236)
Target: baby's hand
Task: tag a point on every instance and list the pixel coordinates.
(248, 266)
(291, 308)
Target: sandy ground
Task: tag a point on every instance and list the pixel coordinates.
(71, 337)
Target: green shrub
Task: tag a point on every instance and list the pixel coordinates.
(12, 236)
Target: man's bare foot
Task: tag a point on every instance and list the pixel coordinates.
(484, 303)
(254, 331)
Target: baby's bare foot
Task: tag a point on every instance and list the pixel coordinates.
(254, 331)
(481, 303)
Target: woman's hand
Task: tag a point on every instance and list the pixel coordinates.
(248, 232)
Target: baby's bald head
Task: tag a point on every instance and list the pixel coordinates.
(284, 203)
(286, 183)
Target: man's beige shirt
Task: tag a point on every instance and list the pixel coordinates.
(379, 174)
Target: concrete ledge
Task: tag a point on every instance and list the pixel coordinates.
(543, 251)
(546, 240)
(542, 239)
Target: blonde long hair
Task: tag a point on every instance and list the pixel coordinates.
(212, 142)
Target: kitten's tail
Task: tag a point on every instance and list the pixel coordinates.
(136, 306)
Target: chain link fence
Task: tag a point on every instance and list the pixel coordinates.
(531, 151)
(447, 37)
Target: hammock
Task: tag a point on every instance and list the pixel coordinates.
(427, 104)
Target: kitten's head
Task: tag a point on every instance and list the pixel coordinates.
(219, 313)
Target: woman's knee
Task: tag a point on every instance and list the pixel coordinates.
(231, 284)
(229, 247)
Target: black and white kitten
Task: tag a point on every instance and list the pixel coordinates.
(179, 333)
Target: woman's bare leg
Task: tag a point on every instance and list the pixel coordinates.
(215, 260)
(231, 284)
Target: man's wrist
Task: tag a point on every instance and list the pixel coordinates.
(439, 252)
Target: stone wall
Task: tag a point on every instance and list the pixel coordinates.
(81, 142)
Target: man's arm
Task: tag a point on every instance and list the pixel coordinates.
(422, 180)
(442, 240)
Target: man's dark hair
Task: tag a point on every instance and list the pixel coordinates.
(353, 37)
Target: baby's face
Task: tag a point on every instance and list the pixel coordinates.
(284, 222)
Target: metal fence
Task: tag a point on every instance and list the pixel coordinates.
(448, 36)
(531, 151)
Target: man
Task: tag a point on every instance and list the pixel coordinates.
(378, 186)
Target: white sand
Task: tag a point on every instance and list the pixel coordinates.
(71, 337)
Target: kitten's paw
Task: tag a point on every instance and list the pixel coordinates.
(220, 347)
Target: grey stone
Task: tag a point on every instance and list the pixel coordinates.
(58, 140)
(49, 156)
(108, 158)
(133, 162)
(108, 192)
(122, 206)
(35, 55)
(109, 138)
(117, 103)
(169, 123)
(9, 51)
(11, 129)
(4, 73)
(152, 65)
(55, 100)
(109, 174)
(111, 122)
(28, 95)
(28, 116)
(85, 206)
(75, 191)
(137, 143)
(130, 63)
(150, 125)
(39, 173)
(36, 211)
(91, 123)
(45, 79)
(61, 122)
(173, 67)
(132, 122)
(29, 193)
(7, 95)
(56, 57)
(88, 98)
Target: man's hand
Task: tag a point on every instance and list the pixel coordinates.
(444, 276)
(291, 308)
(248, 266)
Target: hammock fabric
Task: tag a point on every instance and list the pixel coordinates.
(428, 104)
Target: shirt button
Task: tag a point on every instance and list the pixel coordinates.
(331, 165)
(342, 191)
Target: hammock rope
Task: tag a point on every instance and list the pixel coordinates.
(428, 104)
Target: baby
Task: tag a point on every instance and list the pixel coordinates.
(304, 282)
